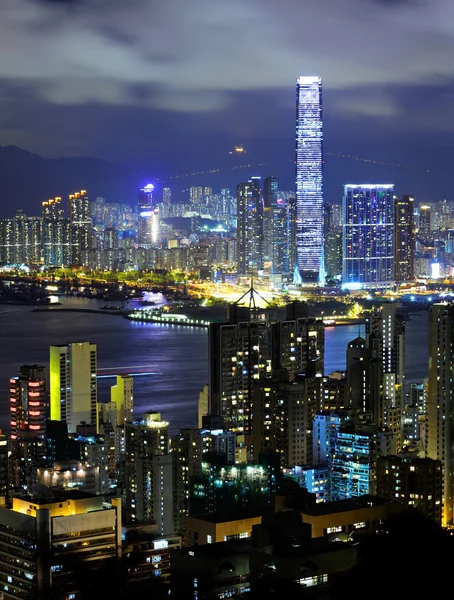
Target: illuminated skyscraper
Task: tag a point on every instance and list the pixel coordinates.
(148, 225)
(56, 233)
(249, 227)
(270, 196)
(404, 239)
(440, 399)
(309, 178)
(20, 240)
(73, 385)
(81, 227)
(385, 338)
(196, 195)
(368, 239)
(166, 196)
(425, 222)
(28, 401)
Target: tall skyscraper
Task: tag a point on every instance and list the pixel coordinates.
(385, 338)
(148, 224)
(247, 348)
(425, 223)
(368, 234)
(81, 227)
(440, 398)
(146, 472)
(309, 178)
(20, 240)
(28, 402)
(166, 196)
(196, 196)
(270, 196)
(404, 248)
(73, 385)
(249, 227)
(56, 234)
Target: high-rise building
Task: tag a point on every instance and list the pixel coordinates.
(333, 253)
(280, 232)
(148, 223)
(413, 481)
(56, 234)
(28, 401)
(50, 543)
(425, 223)
(196, 196)
(353, 463)
(309, 178)
(146, 473)
(368, 234)
(385, 338)
(187, 451)
(166, 196)
(249, 227)
(20, 240)
(270, 197)
(122, 396)
(404, 242)
(73, 384)
(364, 379)
(247, 348)
(81, 227)
(440, 398)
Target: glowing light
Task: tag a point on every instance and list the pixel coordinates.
(352, 286)
(381, 186)
(148, 188)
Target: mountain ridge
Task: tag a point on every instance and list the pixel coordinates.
(27, 178)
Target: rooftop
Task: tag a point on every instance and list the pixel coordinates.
(227, 517)
(326, 508)
(45, 495)
(218, 550)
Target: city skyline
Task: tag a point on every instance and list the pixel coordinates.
(225, 371)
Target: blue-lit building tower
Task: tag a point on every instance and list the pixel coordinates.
(309, 178)
(368, 234)
(353, 462)
(148, 218)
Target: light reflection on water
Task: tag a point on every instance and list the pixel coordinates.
(176, 355)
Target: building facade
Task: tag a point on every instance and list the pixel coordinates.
(440, 398)
(47, 544)
(73, 385)
(148, 218)
(368, 234)
(309, 178)
(404, 243)
(81, 228)
(249, 227)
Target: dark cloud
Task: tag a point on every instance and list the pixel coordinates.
(177, 83)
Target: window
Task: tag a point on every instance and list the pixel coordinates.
(336, 529)
(209, 539)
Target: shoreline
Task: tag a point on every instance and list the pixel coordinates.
(127, 315)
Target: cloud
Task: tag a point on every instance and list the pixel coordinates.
(194, 55)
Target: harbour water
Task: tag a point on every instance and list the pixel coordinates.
(171, 362)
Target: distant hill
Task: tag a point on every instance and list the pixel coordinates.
(26, 179)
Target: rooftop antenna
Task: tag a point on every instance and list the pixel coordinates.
(252, 292)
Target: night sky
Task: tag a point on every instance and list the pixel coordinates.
(173, 85)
